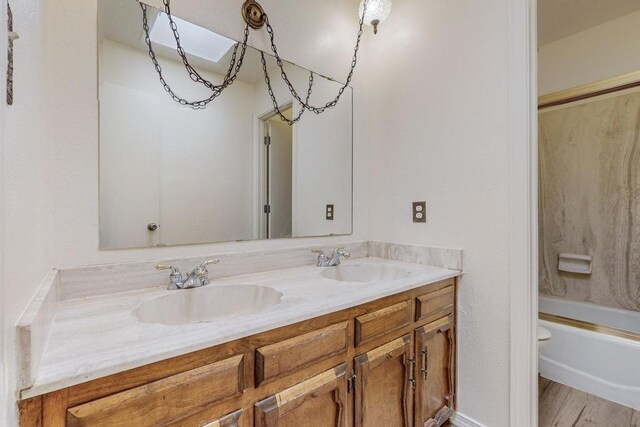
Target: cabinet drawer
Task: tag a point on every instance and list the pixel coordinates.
(377, 323)
(166, 400)
(281, 358)
(436, 304)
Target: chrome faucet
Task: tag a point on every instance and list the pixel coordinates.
(325, 261)
(198, 277)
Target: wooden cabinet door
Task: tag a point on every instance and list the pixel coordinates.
(435, 373)
(383, 385)
(233, 419)
(320, 401)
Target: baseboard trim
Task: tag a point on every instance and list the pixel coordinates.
(461, 420)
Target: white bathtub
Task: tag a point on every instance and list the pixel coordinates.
(597, 363)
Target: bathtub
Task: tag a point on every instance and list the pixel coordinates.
(604, 362)
(604, 316)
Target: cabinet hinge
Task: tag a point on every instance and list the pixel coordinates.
(351, 384)
(267, 209)
(267, 140)
(412, 372)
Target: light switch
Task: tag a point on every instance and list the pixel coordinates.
(419, 212)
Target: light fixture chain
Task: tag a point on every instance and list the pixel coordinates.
(193, 74)
(276, 106)
(283, 74)
(229, 78)
(236, 64)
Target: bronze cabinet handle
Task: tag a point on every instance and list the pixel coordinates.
(425, 362)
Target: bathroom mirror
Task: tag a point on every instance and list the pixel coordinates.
(171, 175)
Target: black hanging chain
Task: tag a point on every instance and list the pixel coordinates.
(236, 64)
(283, 74)
(276, 106)
(232, 72)
(193, 74)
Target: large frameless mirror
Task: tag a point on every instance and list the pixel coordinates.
(172, 175)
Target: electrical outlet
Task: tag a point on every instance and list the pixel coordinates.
(419, 212)
(329, 213)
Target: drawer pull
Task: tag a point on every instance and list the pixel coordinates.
(425, 362)
(284, 357)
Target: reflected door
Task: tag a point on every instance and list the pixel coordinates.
(129, 172)
(279, 212)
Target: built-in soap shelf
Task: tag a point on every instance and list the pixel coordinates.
(575, 263)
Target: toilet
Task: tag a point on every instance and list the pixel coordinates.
(544, 335)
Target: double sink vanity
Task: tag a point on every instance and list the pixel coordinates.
(305, 336)
(370, 342)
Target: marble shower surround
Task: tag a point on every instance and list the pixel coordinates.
(83, 287)
(590, 198)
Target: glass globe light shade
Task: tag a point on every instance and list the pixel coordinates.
(377, 11)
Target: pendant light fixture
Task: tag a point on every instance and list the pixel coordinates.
(377, 11)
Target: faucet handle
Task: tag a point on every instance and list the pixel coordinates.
(174, 270)
(176, 279)
(209, 262)
(342, 251)
(322, 258)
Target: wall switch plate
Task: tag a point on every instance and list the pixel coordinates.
(419, 212)
(329, 213)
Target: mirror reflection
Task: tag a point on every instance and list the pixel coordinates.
(172, 175)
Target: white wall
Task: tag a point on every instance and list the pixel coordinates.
(607, 50)
(189, 171)
(437, 103)
(26, 175)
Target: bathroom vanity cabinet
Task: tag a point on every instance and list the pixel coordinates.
(389, 362)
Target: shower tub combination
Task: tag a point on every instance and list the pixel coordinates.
(593, 348)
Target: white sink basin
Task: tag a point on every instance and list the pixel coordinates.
(207, 303)
(364, 273)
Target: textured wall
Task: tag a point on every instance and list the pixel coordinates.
(438, 108)
(590, 199)
(27, 188)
